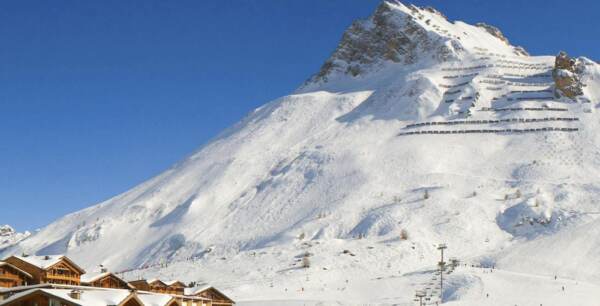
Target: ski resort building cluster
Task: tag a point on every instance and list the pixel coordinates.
(58, 281)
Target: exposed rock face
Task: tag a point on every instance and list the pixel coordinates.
(497, 33)
(386, 36)
(494, 31)
(404, 34)
(566, 77)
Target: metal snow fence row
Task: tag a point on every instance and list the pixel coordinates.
(557, 109)
(452, 92)
(495, 82)
(461, 76)
(521, 63)
(491, 131)
(536, 98)
(461, 122)
(538, 75)
(531, 91)
(517, 67)
(467, 68)
(453, 86)
(519, 84)
(496, 55)
(517, 75)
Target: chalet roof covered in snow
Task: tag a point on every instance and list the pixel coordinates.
(87, 298)
(155, 299)
(91, 296)
(93, 276)
(47, 261)
(174, 282)
(5, 264)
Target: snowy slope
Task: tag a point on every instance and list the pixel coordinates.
(416, 123)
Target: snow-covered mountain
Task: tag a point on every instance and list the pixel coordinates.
(9, 237)
(417, 130)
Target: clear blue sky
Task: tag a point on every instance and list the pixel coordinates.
(98, 96)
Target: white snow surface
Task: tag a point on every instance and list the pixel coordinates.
(9, 237)
(326, 169)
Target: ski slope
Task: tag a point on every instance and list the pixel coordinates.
(452, 135)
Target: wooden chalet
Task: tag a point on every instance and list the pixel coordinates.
(48, 269)
(104, 279)
(141, 285)
(158, 286)
(54, 295)
(216, 297)
(176, 287)
(11, 276)
(58, 281)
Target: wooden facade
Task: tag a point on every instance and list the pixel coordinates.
(216, 296)
(176, 287)
(158, 286)
(39, 298)
(47, 269)
(141, 285)
(42, 297)
(106, 280)
(66, 295)
(58, 282)
(11, 276)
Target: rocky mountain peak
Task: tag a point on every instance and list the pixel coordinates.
(391, 34)
(406, 34)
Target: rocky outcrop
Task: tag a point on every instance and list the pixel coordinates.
(566, 76)
(498, 34)
(494, 31)
(388, 35)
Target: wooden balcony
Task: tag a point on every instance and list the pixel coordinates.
(10, 277)
(63, 278)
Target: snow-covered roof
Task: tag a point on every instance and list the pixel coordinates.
(25, 288)
(87, 298)
(93, 276)
(6, 264)
(198, 289)
(201, 288)
(154, 299)
(95, 296)
(173, 282)
(42, 262)
(156, 280)
(47, 261)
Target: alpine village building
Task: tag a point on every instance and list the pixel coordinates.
(48, 269)
(58, 281)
